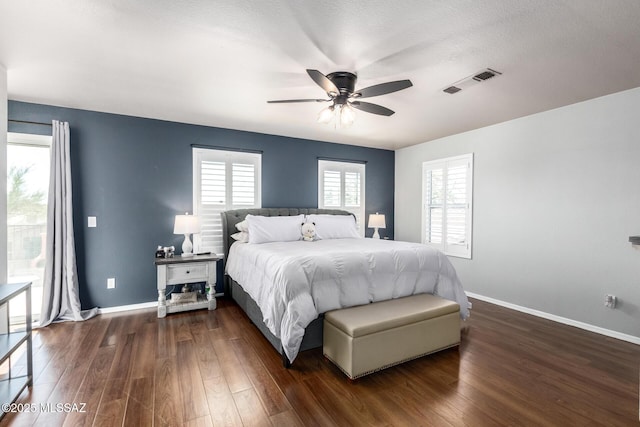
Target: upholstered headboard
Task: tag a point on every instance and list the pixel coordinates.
(231, 218)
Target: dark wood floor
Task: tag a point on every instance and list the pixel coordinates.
(214, 368)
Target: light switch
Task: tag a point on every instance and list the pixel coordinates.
(92, 222)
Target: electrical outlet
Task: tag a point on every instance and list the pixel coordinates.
(111, 283)
(610, 301)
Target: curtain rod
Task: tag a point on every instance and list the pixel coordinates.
(25, 122)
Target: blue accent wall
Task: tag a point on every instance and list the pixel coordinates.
(135, 174)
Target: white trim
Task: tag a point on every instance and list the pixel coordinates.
(29, 139)
(4, 112)
(587, 327)
(118, 309)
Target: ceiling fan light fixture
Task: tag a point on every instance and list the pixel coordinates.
(325, 116)
(340, 87)
(347, 115)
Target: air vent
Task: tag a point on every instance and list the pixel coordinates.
(485, 75)
(474, 79)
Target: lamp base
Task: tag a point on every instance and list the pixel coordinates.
(376, 235)
(187, 246)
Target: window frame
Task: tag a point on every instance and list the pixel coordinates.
(461, 251)
(229, 157)
(344, 166)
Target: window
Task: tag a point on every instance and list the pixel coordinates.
(447, 204)
(341, 186)
(28, 158)
(222, 180)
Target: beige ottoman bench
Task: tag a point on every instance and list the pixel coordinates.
(367, 338)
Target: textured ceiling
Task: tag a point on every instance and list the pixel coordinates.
(215, 63)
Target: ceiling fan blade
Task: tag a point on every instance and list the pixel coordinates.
(322, 81)
(383, 88)
(282, 101)
(372, 108)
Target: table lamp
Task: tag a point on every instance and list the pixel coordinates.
(376, 221)
(186, 224)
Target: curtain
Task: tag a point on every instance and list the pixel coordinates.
(60, 296)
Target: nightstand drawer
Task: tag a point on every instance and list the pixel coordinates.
(185, 273)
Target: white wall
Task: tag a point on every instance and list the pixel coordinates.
(4, 107)
(556, 197)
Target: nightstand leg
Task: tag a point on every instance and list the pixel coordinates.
(162, 304)
(211, 298)
(162, 286)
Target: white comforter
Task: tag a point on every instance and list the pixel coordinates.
(294, 282)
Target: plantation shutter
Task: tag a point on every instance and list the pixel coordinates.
(435, 205)
(213, 200)
(447, 196)
(244, 185)
(352, 194)
(223, 180)
(456, 206)
(341, 186)
(332, 194)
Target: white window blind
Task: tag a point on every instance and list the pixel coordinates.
(341, 186)
(447, 188)
(222, 180)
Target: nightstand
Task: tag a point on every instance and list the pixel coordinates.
(183, 271)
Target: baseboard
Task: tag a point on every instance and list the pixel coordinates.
(141, 306)
(559, 319)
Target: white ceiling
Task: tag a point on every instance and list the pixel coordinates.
(216, 63)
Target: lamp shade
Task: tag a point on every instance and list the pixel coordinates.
(347, 115)
(325, 116)
(376, 220)
(186, 224)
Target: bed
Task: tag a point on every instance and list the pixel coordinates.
(285, 287)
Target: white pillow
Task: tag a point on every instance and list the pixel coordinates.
(264, 229)
(241, 236)
(335, 226)
(243, 226)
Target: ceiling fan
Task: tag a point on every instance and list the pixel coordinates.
(340, 88)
